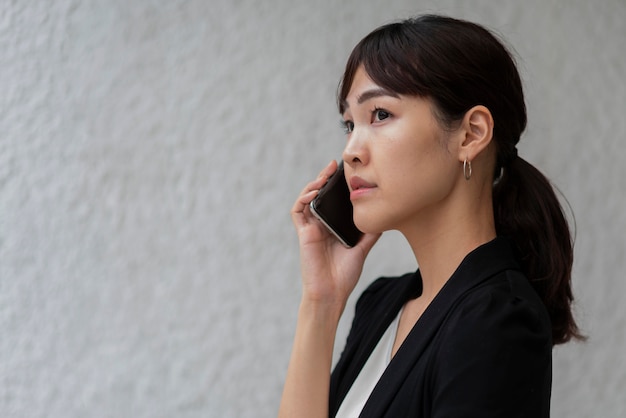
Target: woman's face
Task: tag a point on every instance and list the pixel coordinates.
(397, 162)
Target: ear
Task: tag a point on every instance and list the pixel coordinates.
(477, 127)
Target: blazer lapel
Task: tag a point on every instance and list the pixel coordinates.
(478, 266)
(357, 354)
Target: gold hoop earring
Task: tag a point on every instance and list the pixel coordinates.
(467, 169)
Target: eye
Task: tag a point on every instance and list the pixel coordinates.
(347, 125)
(380, 114)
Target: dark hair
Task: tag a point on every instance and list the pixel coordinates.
(457, 65)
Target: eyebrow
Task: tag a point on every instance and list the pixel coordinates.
(370, 94)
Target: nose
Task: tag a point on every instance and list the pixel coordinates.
(356, 151)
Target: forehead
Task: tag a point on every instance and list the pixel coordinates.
(363, 88)
(361, 79)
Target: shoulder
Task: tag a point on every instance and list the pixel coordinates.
(496, 347)
(382, 291)
(506, 303)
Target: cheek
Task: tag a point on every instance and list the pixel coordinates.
(425, 177)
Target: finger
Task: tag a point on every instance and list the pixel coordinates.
(310, 191)
(314, 185)
(321, 179)
(329, 170)
(303, 201)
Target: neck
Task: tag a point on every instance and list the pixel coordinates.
(441, 241)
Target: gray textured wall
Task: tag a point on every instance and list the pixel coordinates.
(150, 153)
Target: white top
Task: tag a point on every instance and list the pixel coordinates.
(369, 375)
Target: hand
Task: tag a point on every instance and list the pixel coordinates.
(330, 271)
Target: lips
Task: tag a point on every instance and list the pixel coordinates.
(357, 183)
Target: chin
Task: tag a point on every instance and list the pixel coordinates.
(368, 226)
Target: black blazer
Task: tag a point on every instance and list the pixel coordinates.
(482, 348)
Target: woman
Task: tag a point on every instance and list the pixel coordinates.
(433, 109)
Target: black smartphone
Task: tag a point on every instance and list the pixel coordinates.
(333, 208)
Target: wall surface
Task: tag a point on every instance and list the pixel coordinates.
(150, 152)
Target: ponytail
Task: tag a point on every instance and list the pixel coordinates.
(527, 210)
